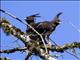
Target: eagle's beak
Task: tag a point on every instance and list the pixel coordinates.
(60, 22)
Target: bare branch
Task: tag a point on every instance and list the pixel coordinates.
(13, 50)
(28, 56)
(10, 29)
(33, 45)
(64, 47)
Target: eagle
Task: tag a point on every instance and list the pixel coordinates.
(45, 28)
(31, 21)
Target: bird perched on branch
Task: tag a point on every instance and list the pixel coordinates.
(31, 21)
(45, 28)
(48, 26)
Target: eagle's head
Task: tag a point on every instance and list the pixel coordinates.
(56, 20)
(31, 18)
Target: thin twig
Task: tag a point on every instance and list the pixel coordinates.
(73, 55)
(78, 30)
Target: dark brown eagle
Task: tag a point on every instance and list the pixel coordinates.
(44, 28)
(31, 21)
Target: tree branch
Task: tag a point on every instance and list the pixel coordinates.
(10, 29)
(64, 47)
(13, 50)
(33, 45)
